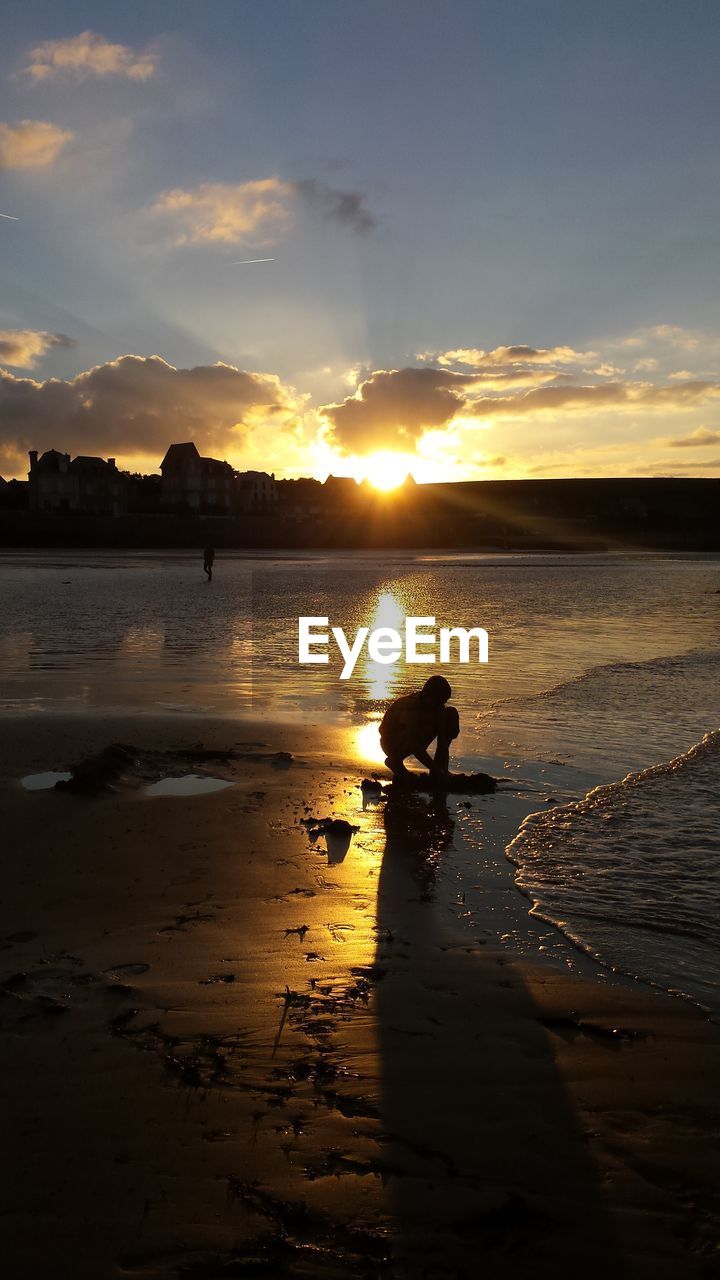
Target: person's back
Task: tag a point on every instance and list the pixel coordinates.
(408, 720)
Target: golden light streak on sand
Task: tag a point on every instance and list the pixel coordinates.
(365, 746)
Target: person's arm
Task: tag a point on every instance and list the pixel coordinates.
(440, 768)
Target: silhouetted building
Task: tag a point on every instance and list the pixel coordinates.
(193, 483)
(86, 485)
(143, 494)
(303, 497)
(14, 495)
(341, 491)
(257, 492)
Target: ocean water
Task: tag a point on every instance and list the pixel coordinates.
(603, 671)
(630, 873)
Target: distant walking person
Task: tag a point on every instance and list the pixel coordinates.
(412, 723)
(208, 561)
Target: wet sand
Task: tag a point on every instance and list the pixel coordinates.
(229, 1052)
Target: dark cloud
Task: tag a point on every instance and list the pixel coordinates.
(137, 405)
(346, 207)
(394, 407)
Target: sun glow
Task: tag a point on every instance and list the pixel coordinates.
(366, 743)
(387, 471)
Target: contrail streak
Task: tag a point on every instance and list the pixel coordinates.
(245, 262)
(11, 216)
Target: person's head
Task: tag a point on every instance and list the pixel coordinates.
(436, 690)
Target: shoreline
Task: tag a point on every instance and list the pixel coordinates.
(499, 907)
(317, 1064)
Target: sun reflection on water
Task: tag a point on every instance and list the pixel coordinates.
(365, 743)
(380, 678)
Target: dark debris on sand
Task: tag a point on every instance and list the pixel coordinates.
(119, 763)
(464, 784)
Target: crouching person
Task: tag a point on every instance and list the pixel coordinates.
(413, 723)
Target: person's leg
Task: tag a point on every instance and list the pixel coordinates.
(396, 765)
(449, 730)
(394, 756)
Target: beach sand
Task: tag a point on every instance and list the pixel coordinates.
(228, 1052)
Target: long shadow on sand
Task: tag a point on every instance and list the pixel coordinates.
(492, 1173)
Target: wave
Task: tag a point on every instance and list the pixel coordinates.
(631, 872)
(615, 717)
(671, 664)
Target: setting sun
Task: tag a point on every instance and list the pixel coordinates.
(387, 471)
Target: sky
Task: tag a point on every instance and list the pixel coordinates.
(492, 232)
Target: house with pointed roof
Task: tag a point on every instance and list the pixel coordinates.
(192, 483)
(84, 485)
(257, 492)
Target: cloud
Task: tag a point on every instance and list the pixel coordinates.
(674, 352)
(680, 468)
(696, 440)
(22, 348)
(393, 407)
(137, 405)
(503, 377)
(675, 335)
(346, 207)
(31, 144)
(672, 335)
(85, 55)
(476, 358)
(628, 395)
(226, 212)
(257, 212)
(396, 408)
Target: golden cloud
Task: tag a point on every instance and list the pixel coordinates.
(396, 408)
(85, 55)
(695, 440)
(31, 144)
(476, 358)
(258, 211)
(22, 348)
(138, 405)
(624, 395)
(226, 212)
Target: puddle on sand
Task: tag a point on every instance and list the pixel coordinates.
(43, 781)
(192, 784)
